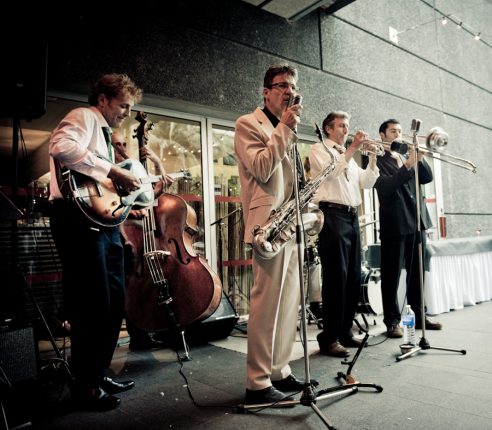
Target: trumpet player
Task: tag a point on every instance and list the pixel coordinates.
(339, 240)
(398, 228)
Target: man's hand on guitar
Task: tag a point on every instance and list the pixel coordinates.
(124, 180)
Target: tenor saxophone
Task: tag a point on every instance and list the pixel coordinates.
(280, 228)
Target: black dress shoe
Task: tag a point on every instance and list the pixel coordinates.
(113, 387)
(291, 383)
(267, 395)
(97, 400)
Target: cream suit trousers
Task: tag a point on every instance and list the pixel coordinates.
(273, 312)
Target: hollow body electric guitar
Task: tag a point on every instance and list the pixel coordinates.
(105, 204)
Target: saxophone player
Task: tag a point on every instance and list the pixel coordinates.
(263, 140)
(339, 239)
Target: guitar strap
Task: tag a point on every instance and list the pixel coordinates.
(62, 174)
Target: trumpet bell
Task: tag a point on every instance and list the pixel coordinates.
(437, 139)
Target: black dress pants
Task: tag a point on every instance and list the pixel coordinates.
(398, 252)
(339, 252)
(94, 287)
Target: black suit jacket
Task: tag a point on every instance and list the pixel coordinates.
(396, 192)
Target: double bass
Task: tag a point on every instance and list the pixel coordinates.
(168, 283)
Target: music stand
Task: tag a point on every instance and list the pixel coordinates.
(424, 343)
(221, 223)
(349, 378)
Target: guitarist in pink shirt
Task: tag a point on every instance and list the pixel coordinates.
(91, 254)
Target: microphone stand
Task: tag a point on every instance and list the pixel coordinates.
(423, 344)
(221, 224)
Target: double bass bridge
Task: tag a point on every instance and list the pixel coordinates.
(155, 260)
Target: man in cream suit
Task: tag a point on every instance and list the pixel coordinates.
(263, 143)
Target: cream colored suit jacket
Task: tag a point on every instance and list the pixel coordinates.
(265, 169)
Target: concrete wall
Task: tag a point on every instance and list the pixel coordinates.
(213, 54)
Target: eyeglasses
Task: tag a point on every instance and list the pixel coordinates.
(283, 86)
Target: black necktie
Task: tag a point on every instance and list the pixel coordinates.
(107, 136)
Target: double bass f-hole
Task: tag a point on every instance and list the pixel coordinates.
(178, 252)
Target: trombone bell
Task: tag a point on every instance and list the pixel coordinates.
(437, 139)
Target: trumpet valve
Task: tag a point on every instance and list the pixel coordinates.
(372, 147)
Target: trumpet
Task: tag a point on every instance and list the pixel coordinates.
(372, 147)
(369, 146)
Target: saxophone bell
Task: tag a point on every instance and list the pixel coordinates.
(312, 220)
(269, 239)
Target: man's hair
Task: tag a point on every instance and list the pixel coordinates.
(112, 85)
(384, 126)
(277, 69)
(330, 118)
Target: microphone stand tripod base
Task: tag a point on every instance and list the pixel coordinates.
(308, 398)
(422, 346)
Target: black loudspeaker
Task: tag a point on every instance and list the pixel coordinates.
(17, 355)
(217, 326)
(23, 87)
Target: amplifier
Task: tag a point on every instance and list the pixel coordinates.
(17, 354)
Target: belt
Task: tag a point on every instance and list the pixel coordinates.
(348, 209)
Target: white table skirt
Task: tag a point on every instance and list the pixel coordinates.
(455, 281)
(460, 274)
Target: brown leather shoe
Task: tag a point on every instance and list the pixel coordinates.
(430, 324)
(334, 349)
(394, 331)
(351, 342)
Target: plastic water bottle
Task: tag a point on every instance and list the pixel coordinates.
(408, 321)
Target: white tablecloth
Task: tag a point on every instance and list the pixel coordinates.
(460, 273)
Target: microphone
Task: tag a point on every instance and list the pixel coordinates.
(295, 100)
(415, 125)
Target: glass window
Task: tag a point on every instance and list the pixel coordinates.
(233, 255)
(177, 143)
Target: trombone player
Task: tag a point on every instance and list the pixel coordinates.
(398, 227)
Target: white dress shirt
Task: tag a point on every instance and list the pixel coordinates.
(78, 144)
(343, 184)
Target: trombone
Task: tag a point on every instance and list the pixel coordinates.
(435, 142)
